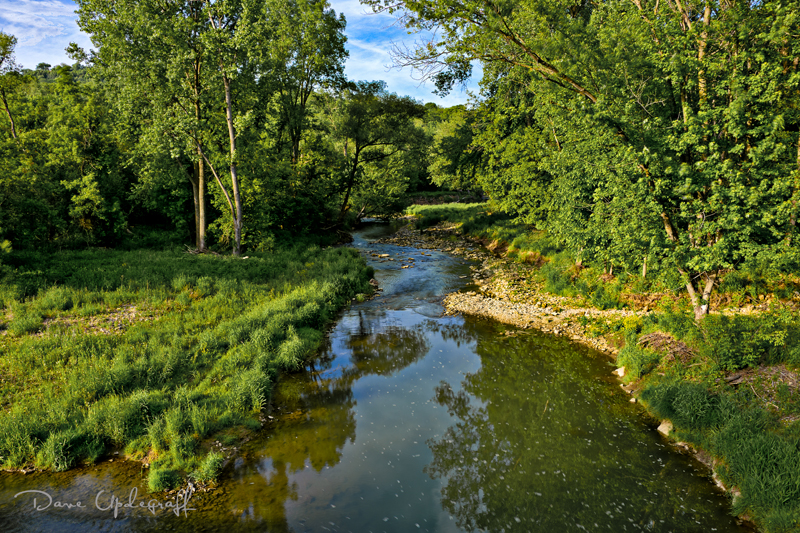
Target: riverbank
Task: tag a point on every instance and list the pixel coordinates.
(726, 392)
(504, 292)
(161, 357)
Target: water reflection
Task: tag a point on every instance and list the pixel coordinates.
(540, 442)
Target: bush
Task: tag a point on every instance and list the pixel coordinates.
(161, 479)
(739, 341)
(638, 362)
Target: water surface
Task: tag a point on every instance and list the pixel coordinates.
(410, 421)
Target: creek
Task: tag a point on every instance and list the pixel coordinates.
(414, 421)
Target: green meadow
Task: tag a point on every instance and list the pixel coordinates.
(155, 355)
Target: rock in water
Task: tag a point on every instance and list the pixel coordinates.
(665, 428)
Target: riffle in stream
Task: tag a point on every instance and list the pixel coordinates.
(410, 421)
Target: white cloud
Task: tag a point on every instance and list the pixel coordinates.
(370, 41)
(43, 29)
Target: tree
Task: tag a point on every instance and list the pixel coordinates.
(9, 74)
(372, 125)
(685, 113)
(303, 57)
(455, 160)
(154, 58)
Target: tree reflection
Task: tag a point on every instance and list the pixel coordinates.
(316, 419)
(538, 441)
(384, 349)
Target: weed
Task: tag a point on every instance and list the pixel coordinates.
(210, 468)
(161, 479)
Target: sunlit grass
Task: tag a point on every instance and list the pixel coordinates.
(152, 353)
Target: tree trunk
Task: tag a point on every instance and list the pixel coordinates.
(196, 201)
(198, 192)
(351, 178)
(201, 200)
(8, 112)
(700, 302)
(237, 215)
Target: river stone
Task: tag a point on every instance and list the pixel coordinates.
(665, 428)
(620, 371)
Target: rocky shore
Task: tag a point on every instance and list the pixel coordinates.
(507, 292)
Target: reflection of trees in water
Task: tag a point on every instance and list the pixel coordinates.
(540, 442)
(453, 332)
(384, 349)
(316, 419)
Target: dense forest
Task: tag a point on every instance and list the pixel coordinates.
(646, 136)
(653, 142)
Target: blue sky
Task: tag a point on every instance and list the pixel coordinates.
(45, 27)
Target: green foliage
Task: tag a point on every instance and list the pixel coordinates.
(161, 479)
(209, 468)
(739, 341)
(637, 361)
(759, 458)
(687, 404)
(691, 170)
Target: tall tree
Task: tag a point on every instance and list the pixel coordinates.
(681, 116)
(155, 59)
(303, 57)
(371, 125)
(9, 74)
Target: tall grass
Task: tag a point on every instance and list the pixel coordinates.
(759, 456)
(221, 329)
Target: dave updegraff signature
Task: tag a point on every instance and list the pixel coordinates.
(43, 500)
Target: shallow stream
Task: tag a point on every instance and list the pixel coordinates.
(410, 421)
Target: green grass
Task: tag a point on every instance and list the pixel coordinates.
(758, 455)
(217, 332)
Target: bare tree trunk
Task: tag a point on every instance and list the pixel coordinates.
(237, 216)
(198, 181)
(201, 200)
(8, 112)
(700, 302)
(701, 53)
(196, 199)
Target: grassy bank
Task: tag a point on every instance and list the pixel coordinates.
(730, 385)
(155, 354)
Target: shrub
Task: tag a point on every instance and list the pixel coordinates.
(638, 362)
(161, 479)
